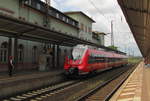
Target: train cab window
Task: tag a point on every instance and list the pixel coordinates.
(77, 53)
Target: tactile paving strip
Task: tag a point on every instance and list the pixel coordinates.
(131, 89)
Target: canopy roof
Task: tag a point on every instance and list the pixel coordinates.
(13, 27)
(137, 15)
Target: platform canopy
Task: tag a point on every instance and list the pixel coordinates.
(137, 13)
(13, 27)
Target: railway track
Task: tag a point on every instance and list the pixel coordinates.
(45, 91)
(104, 91)
(63, 91)
(29, 96)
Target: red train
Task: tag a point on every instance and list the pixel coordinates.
(86, 59)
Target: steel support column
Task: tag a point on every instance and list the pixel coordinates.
(16, 52)
(58, 56)
(53, 57)
(9, 49)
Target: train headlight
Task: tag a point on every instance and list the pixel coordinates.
(68, 62)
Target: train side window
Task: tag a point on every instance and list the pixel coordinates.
(96, 59)
(100, 60)
(91, 59)
(114, 60)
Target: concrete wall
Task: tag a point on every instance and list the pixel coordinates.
(29, 60)
(62, 27)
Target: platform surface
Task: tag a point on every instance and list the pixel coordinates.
(24, 75)
(136, 87)
(25, 81)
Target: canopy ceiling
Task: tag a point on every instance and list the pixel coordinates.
(12, 27)
(137, 15)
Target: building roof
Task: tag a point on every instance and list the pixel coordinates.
(79, 12)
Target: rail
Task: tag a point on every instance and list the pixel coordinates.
(93, 91)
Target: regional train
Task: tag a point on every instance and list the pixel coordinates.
(86, 59)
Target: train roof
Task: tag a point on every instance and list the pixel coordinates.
(102, 48)
(102, 53)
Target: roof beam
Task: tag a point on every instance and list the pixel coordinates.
(141, 27)
(136, 9)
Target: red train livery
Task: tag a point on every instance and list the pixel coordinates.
(86, 59)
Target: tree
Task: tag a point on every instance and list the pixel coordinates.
(113, 47)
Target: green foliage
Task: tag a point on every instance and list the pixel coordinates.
(113, 47)
(134, 60)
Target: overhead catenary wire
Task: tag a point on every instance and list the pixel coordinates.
(99, 11)
(92, 3)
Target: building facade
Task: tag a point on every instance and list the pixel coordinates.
(98, 38)
(32, 53)
(28, 52)
(35, 11)
(85, 24)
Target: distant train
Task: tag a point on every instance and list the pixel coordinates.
(87, 59)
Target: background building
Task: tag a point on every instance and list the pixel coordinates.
(85, 24)
(26, 52)
(31, 30)
(98, 37)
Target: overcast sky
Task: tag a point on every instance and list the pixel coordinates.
(103, 12)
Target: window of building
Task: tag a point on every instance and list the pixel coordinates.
(64, 18)
(89, 30)
(81, 26)
(73, 23)
(4, 52)
(54, 14)
(20, 53)
(67, 20)
(50, 12)
(76, 24)
(28, 2)
(57, 15)
(38, 6)
(85, 29)
(70, 21)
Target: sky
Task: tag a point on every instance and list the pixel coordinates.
(103, 12)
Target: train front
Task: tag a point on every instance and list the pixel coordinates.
(75, 63)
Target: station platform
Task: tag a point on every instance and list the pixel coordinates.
(136, 87)
(27, 80)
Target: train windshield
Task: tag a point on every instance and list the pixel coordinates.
(77, 53)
